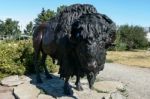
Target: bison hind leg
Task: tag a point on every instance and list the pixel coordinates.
(48, 76)
(36, 65)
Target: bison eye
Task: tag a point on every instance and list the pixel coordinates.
(89, 40)
(78, 35)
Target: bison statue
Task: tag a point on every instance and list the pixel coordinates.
(78, 37)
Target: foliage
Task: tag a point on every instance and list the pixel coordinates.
(51, 67)
(44, 16)
(59, 9)
(2, 32)
(17, 58)
(9, 27)
(9, 59)
(131, 37)
(29, 29)
(121, 46)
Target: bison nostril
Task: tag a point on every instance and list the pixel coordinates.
(92, 64)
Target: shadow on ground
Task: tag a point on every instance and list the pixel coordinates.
(53, 87)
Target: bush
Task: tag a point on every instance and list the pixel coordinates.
(17, 58)
(131, 37)
(121, 46)
(9, 62)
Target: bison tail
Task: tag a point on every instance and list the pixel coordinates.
(38, 35)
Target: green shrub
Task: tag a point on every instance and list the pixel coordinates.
(131, 37)
(121, 46)
(51, 67)
(17, 58)
(9, 59)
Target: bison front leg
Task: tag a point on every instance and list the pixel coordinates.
(78, 83)
(91, 79)
(67, 87)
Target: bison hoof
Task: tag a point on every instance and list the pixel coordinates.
(79, 88)
(67, 90)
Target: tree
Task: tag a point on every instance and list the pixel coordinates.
(131, 37)
(59, 9)
(44, 16)
(29, 29)
(10, 27)
(2, 28)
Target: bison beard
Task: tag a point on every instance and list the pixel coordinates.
(78, 37)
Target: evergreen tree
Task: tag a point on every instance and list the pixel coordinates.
(2, 32)
(44, 16)
(29, 29)
(59, 9)
(10, 27)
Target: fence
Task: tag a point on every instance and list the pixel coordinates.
(12, 37)
(6, 37)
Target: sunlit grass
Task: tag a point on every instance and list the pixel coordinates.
(139, 58)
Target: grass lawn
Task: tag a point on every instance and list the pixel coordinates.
(139, 58)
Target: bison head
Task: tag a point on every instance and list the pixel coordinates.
(91, 35)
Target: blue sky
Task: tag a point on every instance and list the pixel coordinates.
(132, 12)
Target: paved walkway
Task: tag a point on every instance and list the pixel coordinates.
(137, 79)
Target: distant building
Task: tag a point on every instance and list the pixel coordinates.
(147, 30)
(24, 37)
(148, 36)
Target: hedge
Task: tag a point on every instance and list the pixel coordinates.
(16, 57)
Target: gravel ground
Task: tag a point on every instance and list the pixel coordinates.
(137, 80)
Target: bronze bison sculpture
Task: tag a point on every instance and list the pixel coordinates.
(78, 38)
